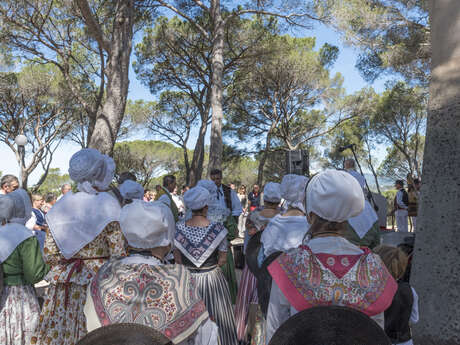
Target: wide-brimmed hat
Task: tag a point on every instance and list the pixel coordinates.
(330, 325)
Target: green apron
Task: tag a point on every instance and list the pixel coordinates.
(229, 268)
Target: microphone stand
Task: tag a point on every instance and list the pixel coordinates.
(369, 193)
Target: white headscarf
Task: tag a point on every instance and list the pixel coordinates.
(6, 208)
(90, 168)
(11, 234)
(196, 198)
(131, 190)
(293, 190)
(216, 213)
(272, 192)
(77, 219)
(209, 185)
(335, 196)
(22, 206)
(147, 225)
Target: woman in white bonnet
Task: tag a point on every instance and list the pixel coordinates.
(22, 265)
(286, 231)
(327, 269)
(84, 232)
(202, 246)
(137, 288)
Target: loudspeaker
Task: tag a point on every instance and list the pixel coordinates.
(297, 162)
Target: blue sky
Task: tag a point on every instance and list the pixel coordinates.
(345, 65)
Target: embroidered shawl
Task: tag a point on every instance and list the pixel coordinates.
(162, 297)
(198, 243)
(359, 281)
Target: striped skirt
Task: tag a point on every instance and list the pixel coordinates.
(213, 289)
(247, 294)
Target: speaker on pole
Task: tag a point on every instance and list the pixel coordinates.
(297, 162)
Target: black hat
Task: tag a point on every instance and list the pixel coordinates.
(330, 325)
(125, 333)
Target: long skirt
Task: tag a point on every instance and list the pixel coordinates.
(230, 275)
(19, 313)
(248, 317)
(213, 289)
(62, 324)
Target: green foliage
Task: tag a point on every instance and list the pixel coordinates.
(34, 103)
(53, 182)
(284, 93)
(393, 35)
(148, 159)
(400, 119)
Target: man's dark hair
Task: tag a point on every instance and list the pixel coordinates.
(168, 179)
(216, 172)
(416, 181)
(8, 180)
(400, 182)
(126, 175)
(50, 197)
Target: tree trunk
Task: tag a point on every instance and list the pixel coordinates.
(217, 62)
(436, 264)
(109, 119)
(196, 168)
(263, 159)
(187, 166)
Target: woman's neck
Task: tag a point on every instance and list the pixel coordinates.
(198, 220)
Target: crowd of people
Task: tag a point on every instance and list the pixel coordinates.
(115, 253)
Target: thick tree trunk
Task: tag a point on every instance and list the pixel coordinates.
(109, 119)
(263, 159)
(217, 61)
(196, 168)
(187, 166)
(436, 263)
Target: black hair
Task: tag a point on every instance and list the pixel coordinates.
(126, 175)
(8, 179)
(168, 179)
(216, 172)
(49, 197)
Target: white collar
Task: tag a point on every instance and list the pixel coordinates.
(12, 235)
(333, 245)
(84, 216)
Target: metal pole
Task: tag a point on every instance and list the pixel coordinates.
(21, 150)
(369, 193)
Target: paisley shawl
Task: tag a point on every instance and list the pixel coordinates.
(162, 297)
(360, 282)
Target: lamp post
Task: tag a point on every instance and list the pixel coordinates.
(21, 141)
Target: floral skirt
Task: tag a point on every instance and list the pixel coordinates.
(19, 312)
(61, 323)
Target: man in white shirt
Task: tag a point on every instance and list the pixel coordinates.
(169, 184)
(401, 202)
(226, 196)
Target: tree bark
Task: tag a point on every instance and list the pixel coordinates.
(217, 63)
(263, 159)
(196, 168)
(109, 118)
(436, 264)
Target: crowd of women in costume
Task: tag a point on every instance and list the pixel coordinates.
(111, 257)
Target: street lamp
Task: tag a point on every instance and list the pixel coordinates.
(21, 141)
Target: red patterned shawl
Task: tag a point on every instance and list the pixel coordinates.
(162, 297)
(359, 281)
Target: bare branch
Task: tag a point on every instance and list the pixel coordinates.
(94, 27)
